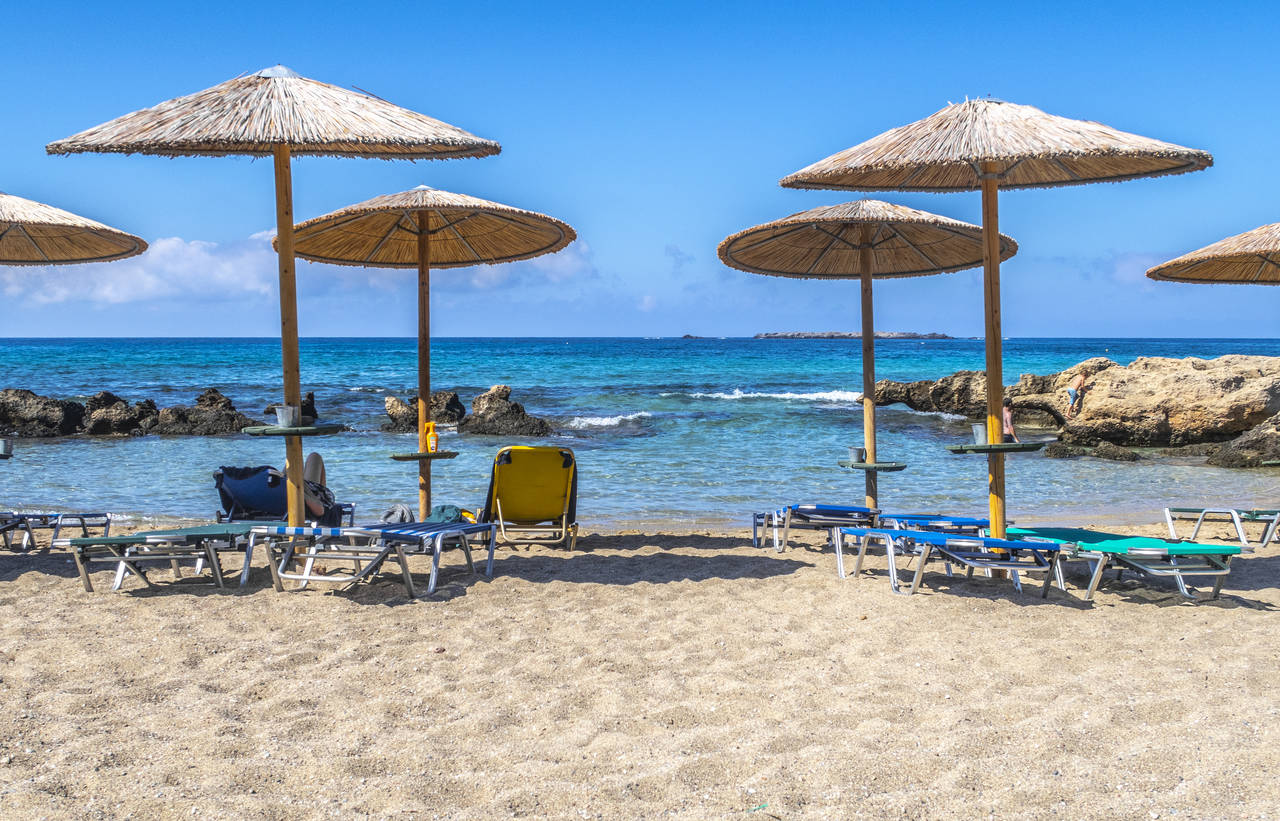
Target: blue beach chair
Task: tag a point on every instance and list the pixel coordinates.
(971, 552)
(808, 517)
(259, 494)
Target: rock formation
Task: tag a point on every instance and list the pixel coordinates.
(23, 413)
(493, 413)
(1154, 401)
(1251, 449)
(446, 409)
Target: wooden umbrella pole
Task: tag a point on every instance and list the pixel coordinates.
(424, 363)
(868, 368)
(995, 370)
(289, 329)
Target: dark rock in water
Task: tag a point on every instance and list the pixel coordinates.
(493, 413)
(118, 418)
(963, 392)
(446, 409)
(1106, 450)
(24, 413)
(100, 400)
(1057, 450)
(1202, 449)
(1262, 444)
(213, 414)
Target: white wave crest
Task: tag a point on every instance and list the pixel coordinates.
(359, 389)
(818, 396)
(585, 422)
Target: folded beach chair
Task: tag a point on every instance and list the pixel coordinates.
(809, 517)
(28, 523)
(258, 494)
(972, 552)
(533, 495)
(1153, 557)
(309, 549)
(129, 553)
(1236, 516)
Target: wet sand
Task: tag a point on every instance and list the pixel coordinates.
(686, 675)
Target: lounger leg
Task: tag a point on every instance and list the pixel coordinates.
(1168, 519)
(215, 565)
(248, 556)
(786, 532)
(1217, 584)
(755, 529)
(1099, 566)
(924, 560)
(862, 554)
(493, 542)
(1244, 541)
(1183, 588)
(891, 554)
(106, 526)
(466, 552)
(839, 538)
(82, 570)
(1050, 572)
(404, 571)
(276, 581)
(435, 566)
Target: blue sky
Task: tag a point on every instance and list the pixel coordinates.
(655, 130)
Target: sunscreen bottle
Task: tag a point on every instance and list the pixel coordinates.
(433, 441)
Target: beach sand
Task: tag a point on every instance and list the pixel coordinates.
(684, 675)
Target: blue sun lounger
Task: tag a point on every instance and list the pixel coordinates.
(808, 517)
(366, 547)
(128, 553)
(971, 552)
(969, 525)
(1144, 554)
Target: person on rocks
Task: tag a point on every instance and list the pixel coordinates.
(1075, 394)
(1006, 418)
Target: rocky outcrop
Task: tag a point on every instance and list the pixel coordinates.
(1057, 450)
(1106, 450)
(23, 413)
(493, 413)
(446, 409)
(1154, 401)
(1251, 449)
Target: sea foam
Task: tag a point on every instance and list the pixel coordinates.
(818, 396)
(587, 422)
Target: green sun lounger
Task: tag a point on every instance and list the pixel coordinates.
(1237, 517)
(127, 553)
(1144, 554)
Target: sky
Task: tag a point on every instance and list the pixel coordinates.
(656, 130)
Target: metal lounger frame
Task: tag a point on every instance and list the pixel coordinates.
(785, 519)
(171, 548)
(1150, 561)
(1235, 516)
(366, 547)
(971, 552)
(561, 531)
(28, 523)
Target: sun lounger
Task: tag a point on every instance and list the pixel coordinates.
(28, 523)
(809, 517)
(533, 495)
(129, 553)
(969, 525)
(1236, 516)
(971, 552)
(1153, 557)
(367, 547)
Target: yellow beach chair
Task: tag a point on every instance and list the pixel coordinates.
(533, 495)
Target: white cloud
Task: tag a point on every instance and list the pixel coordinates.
(573, 263)
(171, 268)
(647, 302)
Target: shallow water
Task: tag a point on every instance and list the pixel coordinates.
(692, 432)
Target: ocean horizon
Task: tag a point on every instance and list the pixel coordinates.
(669, 430)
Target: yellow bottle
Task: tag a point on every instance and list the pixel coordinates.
(433, 441)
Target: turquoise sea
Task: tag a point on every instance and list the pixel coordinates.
(691, 432)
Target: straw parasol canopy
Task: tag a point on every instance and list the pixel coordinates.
(987, 145)
(255, 113)
(1031, 149)
(1252, 257)
(424, 228)
(278, 112)
(866, 239)
(826, 243)
(383, 232)
(32, 233)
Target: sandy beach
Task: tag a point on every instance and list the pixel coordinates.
(683, 675)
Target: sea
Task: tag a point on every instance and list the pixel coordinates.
(669, 432)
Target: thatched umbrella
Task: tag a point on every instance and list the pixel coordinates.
(1252, 257)
(987, 145)
(32, 233)
(860, 240)
(425, 228)
(278, 113)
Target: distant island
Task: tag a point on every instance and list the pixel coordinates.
(850, 335)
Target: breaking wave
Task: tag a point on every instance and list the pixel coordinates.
(818, 396)
(588, 422)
